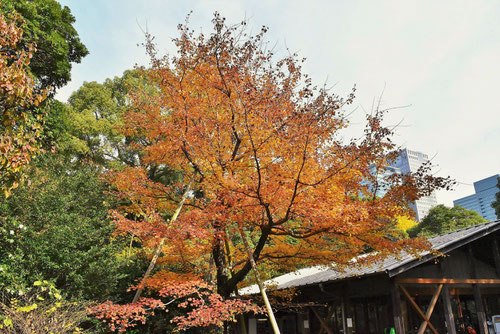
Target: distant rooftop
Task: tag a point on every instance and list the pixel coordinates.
(391, 265)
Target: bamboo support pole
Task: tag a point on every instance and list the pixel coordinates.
(262, 289)
(162, 241)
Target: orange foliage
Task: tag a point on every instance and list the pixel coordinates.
(18, 132)
(265, 149)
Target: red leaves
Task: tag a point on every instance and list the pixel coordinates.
(215, 311)
(203, 307)
(121, 317)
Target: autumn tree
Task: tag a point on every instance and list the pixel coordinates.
(270, 166)
(19, 128)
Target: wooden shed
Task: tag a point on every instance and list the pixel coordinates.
(453, 292)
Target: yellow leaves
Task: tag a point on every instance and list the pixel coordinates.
(28, 308)
(7, 322)
(405, 222)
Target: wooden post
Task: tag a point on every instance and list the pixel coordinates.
(346, 312)
(481, 316)
(252, 326)
(448, 311)
(496, 255)
(447, 308)
(396, 309)
(344, 321)
(262, 288)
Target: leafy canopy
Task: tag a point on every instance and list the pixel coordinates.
(56, 227)
(442, 219)
(93, 117)
(50, 27)
(38, 45)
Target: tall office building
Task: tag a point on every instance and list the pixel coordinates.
(481, 201)
(381, 183)
(408, 162)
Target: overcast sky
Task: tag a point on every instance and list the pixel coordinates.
(439, 58)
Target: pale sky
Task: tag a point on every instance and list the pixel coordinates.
(439, 58)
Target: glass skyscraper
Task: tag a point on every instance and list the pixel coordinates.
(408, 162)
(481, 201)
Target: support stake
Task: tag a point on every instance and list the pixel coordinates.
(262, 289)
(162, 241)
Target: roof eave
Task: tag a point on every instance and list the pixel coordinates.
(443, 249)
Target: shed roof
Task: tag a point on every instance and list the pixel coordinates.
(391, 265)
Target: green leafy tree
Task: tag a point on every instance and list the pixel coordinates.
(442, 219)
(94, 116)
(56, 228)
(87, 128)
(496, 204)
(50, 27)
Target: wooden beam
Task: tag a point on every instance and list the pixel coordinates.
(481, 316)
(447, 281)
(322, 321)
(329, 315)
(430, 309)
(448, 311)
(417, 308)
(396, 309)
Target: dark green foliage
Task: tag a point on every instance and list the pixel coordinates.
(57, 228)
(442, 219)
(54, 125)
(496, 204)
(50, 27)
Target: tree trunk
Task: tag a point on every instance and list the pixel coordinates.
(222, 268)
